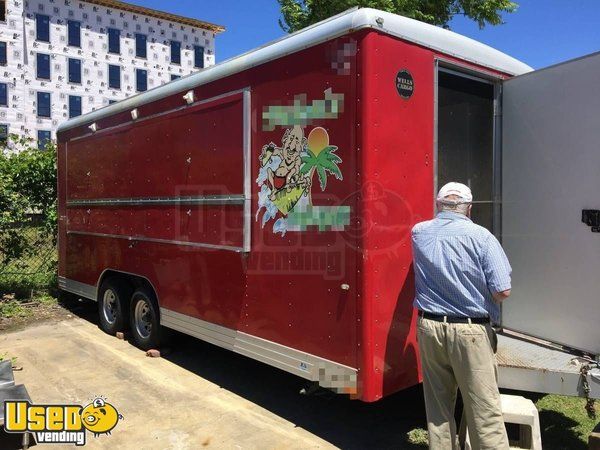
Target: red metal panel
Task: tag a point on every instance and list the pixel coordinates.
(397, 192)
(294, 293)
(288, 289)
(196, 151)
(198, 282)
(204, 224)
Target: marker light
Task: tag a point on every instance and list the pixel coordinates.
(189, 97)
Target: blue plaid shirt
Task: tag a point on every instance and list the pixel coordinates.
(458, 264)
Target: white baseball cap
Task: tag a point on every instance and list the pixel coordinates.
(460, 190)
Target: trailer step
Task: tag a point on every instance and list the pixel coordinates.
(526, 365)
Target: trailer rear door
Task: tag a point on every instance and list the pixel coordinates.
(551, 173)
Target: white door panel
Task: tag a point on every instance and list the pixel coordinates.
(550, 173)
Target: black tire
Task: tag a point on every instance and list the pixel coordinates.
(113, 305)
(144, 319)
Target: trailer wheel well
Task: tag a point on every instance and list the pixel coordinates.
(136, 281)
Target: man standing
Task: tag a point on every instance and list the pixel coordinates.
(461, 276)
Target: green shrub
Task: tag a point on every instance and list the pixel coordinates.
(28, 215)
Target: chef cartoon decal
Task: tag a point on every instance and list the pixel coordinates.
(287, 174)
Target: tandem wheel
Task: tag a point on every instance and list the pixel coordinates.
(113, 305)
(144, 319)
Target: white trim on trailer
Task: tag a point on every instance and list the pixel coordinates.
(523, 364)
(247, 169)
(429, 36)
(75, 287)
(329, 374)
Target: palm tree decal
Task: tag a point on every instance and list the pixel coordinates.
(321, 158)
(325, 161)
(289, 203)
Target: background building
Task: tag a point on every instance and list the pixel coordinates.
(63, 58)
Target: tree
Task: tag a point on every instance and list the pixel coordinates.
(27, 187)
(298, 14)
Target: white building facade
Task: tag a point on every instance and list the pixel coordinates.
(63, 58)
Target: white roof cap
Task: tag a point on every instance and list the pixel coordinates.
(448, 42)
(411, 30)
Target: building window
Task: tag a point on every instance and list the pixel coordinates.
(44, 138)
(3, 11)
(110, 102)
(114, 76)
(3, 60)
(43, 66)
(199, 56)
(42, 28)
(74, 106)
(176, 52)
(43, 104)
(175, 77)
(141, 80)
(140, 45)
(74, 33)
(3, 94)
(3, 133)
(74, 71)
(114, 41)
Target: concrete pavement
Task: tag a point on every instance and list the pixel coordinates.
(196, 396)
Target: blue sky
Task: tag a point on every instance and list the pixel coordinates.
(540, 33)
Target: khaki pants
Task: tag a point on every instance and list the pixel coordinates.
(460, 355)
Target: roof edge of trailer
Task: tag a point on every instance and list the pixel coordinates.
(426, 35)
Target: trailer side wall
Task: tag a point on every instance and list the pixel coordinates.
(288, 289)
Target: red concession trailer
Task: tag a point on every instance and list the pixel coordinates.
(265, 204)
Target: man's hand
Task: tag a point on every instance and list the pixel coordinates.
(501, 296)
(266, 153)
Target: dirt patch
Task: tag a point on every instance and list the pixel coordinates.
(16, 313)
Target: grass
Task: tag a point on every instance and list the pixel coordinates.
(13, 308)
(46, 299)
(417, 437)
(565, 423)
(4, 357)
(15, 311)
(35, 269)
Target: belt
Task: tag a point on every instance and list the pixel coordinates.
(454, 319)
